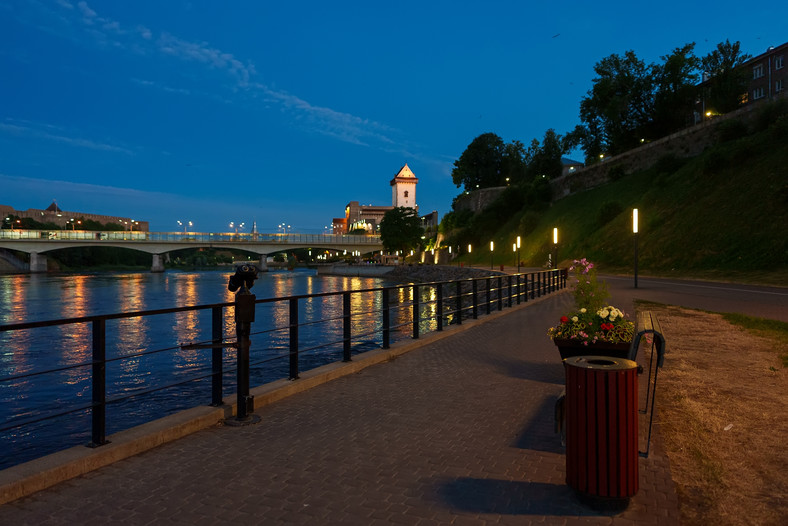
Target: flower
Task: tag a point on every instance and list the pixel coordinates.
(593, 321)
(605, 325)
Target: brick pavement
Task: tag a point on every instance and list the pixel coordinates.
(459, 432)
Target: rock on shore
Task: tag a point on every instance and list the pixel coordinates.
(429, 273)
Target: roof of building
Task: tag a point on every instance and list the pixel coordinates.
(53, 207)
(404, 173)
(568, 161)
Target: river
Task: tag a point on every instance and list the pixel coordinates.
(39, 297)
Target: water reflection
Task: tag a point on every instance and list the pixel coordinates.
(42, 297)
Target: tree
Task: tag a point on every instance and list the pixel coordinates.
(481, 165)
(727, 82)
(545, 159)
(619, 105)
(676, 90)
(400, 229)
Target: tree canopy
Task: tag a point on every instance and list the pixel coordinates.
(726, 84)
(400, 229)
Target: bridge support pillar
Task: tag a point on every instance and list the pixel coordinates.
(263, 265)
(38, 262)
(158, 263)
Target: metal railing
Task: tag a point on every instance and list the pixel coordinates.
(402, 309)
(185, 237)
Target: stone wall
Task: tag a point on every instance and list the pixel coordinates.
(478, 200)
(689, 142)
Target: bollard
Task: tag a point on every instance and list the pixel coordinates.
(242, 281)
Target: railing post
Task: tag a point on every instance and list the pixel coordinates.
(489, 294)
(510, 290)
(216, 356)
(244, 316)
(99, 386)
(416, 313)
(346, 335)
(539, 284)
(293, 338)
(386, 319)
(440, 306)
(500, 293)
(519, 290)
(459, 302)
(475, 299)
(532, 286)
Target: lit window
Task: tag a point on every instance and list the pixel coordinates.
(758, 93)
(757, 71)
(779, 62)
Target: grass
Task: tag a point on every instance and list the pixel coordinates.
(774, 330)
(720, 411)
(722, 215)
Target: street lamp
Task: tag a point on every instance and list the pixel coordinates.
(635, 233)
(555, 247)
(518, 254)
(514, 251)
(492, 246)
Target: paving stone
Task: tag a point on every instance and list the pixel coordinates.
(457, 432)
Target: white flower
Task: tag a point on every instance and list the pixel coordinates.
(604, 313)
(583, 310)
(574, 319)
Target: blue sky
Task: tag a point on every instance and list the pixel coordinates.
(283, 112)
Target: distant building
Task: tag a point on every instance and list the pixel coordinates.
(71, 220)
(768, 79)
(569, 166)
(769, 74)
(368, 217)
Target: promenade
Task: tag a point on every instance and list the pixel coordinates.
(457, 431)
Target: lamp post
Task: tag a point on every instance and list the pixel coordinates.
(514, 251)
(635, 233)
(555, 247)
(518, 254)
(491, 254)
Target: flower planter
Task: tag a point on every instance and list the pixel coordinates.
(571, 348)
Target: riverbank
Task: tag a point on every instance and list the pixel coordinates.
(407, 273)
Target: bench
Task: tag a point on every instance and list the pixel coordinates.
(648, 328)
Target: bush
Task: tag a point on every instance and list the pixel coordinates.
(770, 113)
(668, 164)
(730, 130)
(615, 173)
(528, 222)
(608, 212)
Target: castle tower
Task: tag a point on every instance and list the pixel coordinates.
(403, 188)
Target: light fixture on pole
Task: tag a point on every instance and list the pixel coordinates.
(514, 250)
(555, 247)
(635, 233)
(518, 254)
(491, 254)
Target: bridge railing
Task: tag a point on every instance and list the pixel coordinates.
(186, 237)
(303, 332)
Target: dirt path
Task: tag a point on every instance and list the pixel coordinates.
(722, 402)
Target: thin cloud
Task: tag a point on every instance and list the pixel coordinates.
(39, 131)
(342, 126)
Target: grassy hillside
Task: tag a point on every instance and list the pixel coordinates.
(721, 215)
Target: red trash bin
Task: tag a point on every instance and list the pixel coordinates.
(601, 426)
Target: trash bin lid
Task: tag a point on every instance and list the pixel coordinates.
(602, 363)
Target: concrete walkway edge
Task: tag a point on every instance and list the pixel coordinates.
(30, 477)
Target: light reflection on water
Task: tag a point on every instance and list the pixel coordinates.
(42, 297)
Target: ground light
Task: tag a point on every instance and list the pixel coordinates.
(635, 233)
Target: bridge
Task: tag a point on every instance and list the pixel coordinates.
(36, 243)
